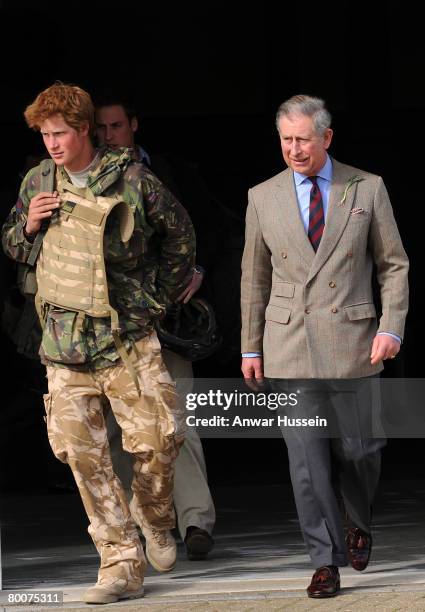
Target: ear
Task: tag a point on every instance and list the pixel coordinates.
(134, 124)
(328, 137)
(84, 129)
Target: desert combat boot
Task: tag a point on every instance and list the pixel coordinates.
(161, 549)
(118, 580)
(111, 590)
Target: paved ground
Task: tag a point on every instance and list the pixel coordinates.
(258, 563)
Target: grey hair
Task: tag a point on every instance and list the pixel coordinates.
(308, 106)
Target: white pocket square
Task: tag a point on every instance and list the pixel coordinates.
(357, 211)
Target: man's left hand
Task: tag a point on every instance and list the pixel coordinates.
(192, 287)
(383, 347)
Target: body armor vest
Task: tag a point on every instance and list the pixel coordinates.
(71, 270)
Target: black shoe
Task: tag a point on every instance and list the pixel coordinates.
(198, 543)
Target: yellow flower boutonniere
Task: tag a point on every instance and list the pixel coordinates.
(351, 182)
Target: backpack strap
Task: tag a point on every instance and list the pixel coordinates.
(47, 181)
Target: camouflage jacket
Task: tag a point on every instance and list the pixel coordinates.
(144, 275)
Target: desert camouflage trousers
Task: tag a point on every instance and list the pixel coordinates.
(153, 430)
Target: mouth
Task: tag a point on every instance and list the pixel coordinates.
(56, 155)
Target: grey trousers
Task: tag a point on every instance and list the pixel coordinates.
(192, 498)
(349, 460)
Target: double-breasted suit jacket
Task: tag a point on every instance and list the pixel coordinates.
(311, 314)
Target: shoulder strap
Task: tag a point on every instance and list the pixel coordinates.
(47, 181)
(47, 169)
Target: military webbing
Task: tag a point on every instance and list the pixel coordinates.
(47, 167)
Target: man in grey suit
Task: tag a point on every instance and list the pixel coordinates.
(314, 233)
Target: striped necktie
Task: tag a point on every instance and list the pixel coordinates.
(316, 222)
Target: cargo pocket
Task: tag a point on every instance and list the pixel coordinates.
(147, 422)
(174, 424)
(150, 425)
(169, 401)
(55, 437)
(63, 340)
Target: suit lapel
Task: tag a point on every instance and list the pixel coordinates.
(289, 213)
(337, 215)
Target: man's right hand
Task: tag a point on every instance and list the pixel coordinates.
(41, 207)
(252, 370)
(192, 288)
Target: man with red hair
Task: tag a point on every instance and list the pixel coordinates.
(114, 248)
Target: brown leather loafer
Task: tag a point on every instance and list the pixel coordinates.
(359, 547)
(325, 582)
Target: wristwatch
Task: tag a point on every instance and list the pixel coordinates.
(198, 269)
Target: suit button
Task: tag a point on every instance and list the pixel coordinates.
(284, 255)
(334, 309)
(332, 284)
(307, 311)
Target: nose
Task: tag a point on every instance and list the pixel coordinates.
(53, 143)
(108, 134)
(295, 148)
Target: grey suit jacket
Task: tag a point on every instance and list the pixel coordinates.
(312, 314)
